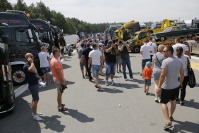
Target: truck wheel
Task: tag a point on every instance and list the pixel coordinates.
(162, 38)
(18, 75)
(136, 49)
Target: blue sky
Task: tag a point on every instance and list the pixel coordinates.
(99, 11)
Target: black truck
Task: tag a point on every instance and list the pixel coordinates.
(21, 38)
(43, 31)
(6, 87)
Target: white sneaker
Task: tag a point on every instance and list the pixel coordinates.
(106, 83)
(38, 113)
(112, 82)
(37, 118)
(42, 84)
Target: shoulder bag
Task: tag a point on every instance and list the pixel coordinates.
(191, 75)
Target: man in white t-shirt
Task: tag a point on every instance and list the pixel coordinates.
(78, 45)
(153, 47)
(145, 51)
(44, 63)
(95, 59)
(178, 44)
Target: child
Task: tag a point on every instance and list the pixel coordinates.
(147, 73)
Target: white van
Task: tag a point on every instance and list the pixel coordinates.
(71, 39)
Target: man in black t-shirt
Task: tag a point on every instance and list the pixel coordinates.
(110, 56)
(85, 57)
(32, 79)
(124, 48)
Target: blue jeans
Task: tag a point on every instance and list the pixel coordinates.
(110, 69)
(128, 64)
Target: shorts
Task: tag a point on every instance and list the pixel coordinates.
(167, 95)
(95, 70)
(110, 69)
(119, 60)
(58, 85)
(147, 82)
(34, 90)
(144, 62)
(45, 69)
(81, 66)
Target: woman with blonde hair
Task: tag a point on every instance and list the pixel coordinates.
(156, 64)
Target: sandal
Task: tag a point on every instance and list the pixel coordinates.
(62, 109)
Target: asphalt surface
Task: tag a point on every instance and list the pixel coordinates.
(122, 108)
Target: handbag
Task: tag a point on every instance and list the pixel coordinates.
(191, 75)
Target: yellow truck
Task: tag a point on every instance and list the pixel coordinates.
(127, 30)
(165, 23)
(139, 36)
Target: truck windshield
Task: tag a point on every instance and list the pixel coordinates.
(43, 35)
(22, 35)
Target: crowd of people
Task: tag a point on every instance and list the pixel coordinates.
(167, 65)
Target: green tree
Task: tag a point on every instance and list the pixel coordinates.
(21, 6)
(5, 5)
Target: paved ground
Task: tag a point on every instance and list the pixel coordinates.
(99, 112)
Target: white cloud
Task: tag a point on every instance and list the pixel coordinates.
(97, 11)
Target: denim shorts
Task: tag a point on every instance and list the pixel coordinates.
(147, 82)
(95, 70)
(45, 69)
(110, 69)
(34, 90)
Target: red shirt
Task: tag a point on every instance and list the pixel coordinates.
(147, 73)
(54, 64)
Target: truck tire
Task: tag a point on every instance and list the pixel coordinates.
(162, 38)
(136, 49)
(18, 75)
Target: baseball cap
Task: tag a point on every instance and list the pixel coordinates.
(148, 63)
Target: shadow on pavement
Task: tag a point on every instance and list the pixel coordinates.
(78, 116)
(52, 122)
(127, 86)
(138, 81)
(113, 90)
(20, 120)
(151, 94)
(66, 66)
(184, 127)
(192, 104)
(197, 85)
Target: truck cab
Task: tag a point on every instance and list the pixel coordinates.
(21, 38)
(164, 24)
(138, 39)
(43, 32)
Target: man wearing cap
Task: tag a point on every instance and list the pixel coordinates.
(85, 57)
(110, 56)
